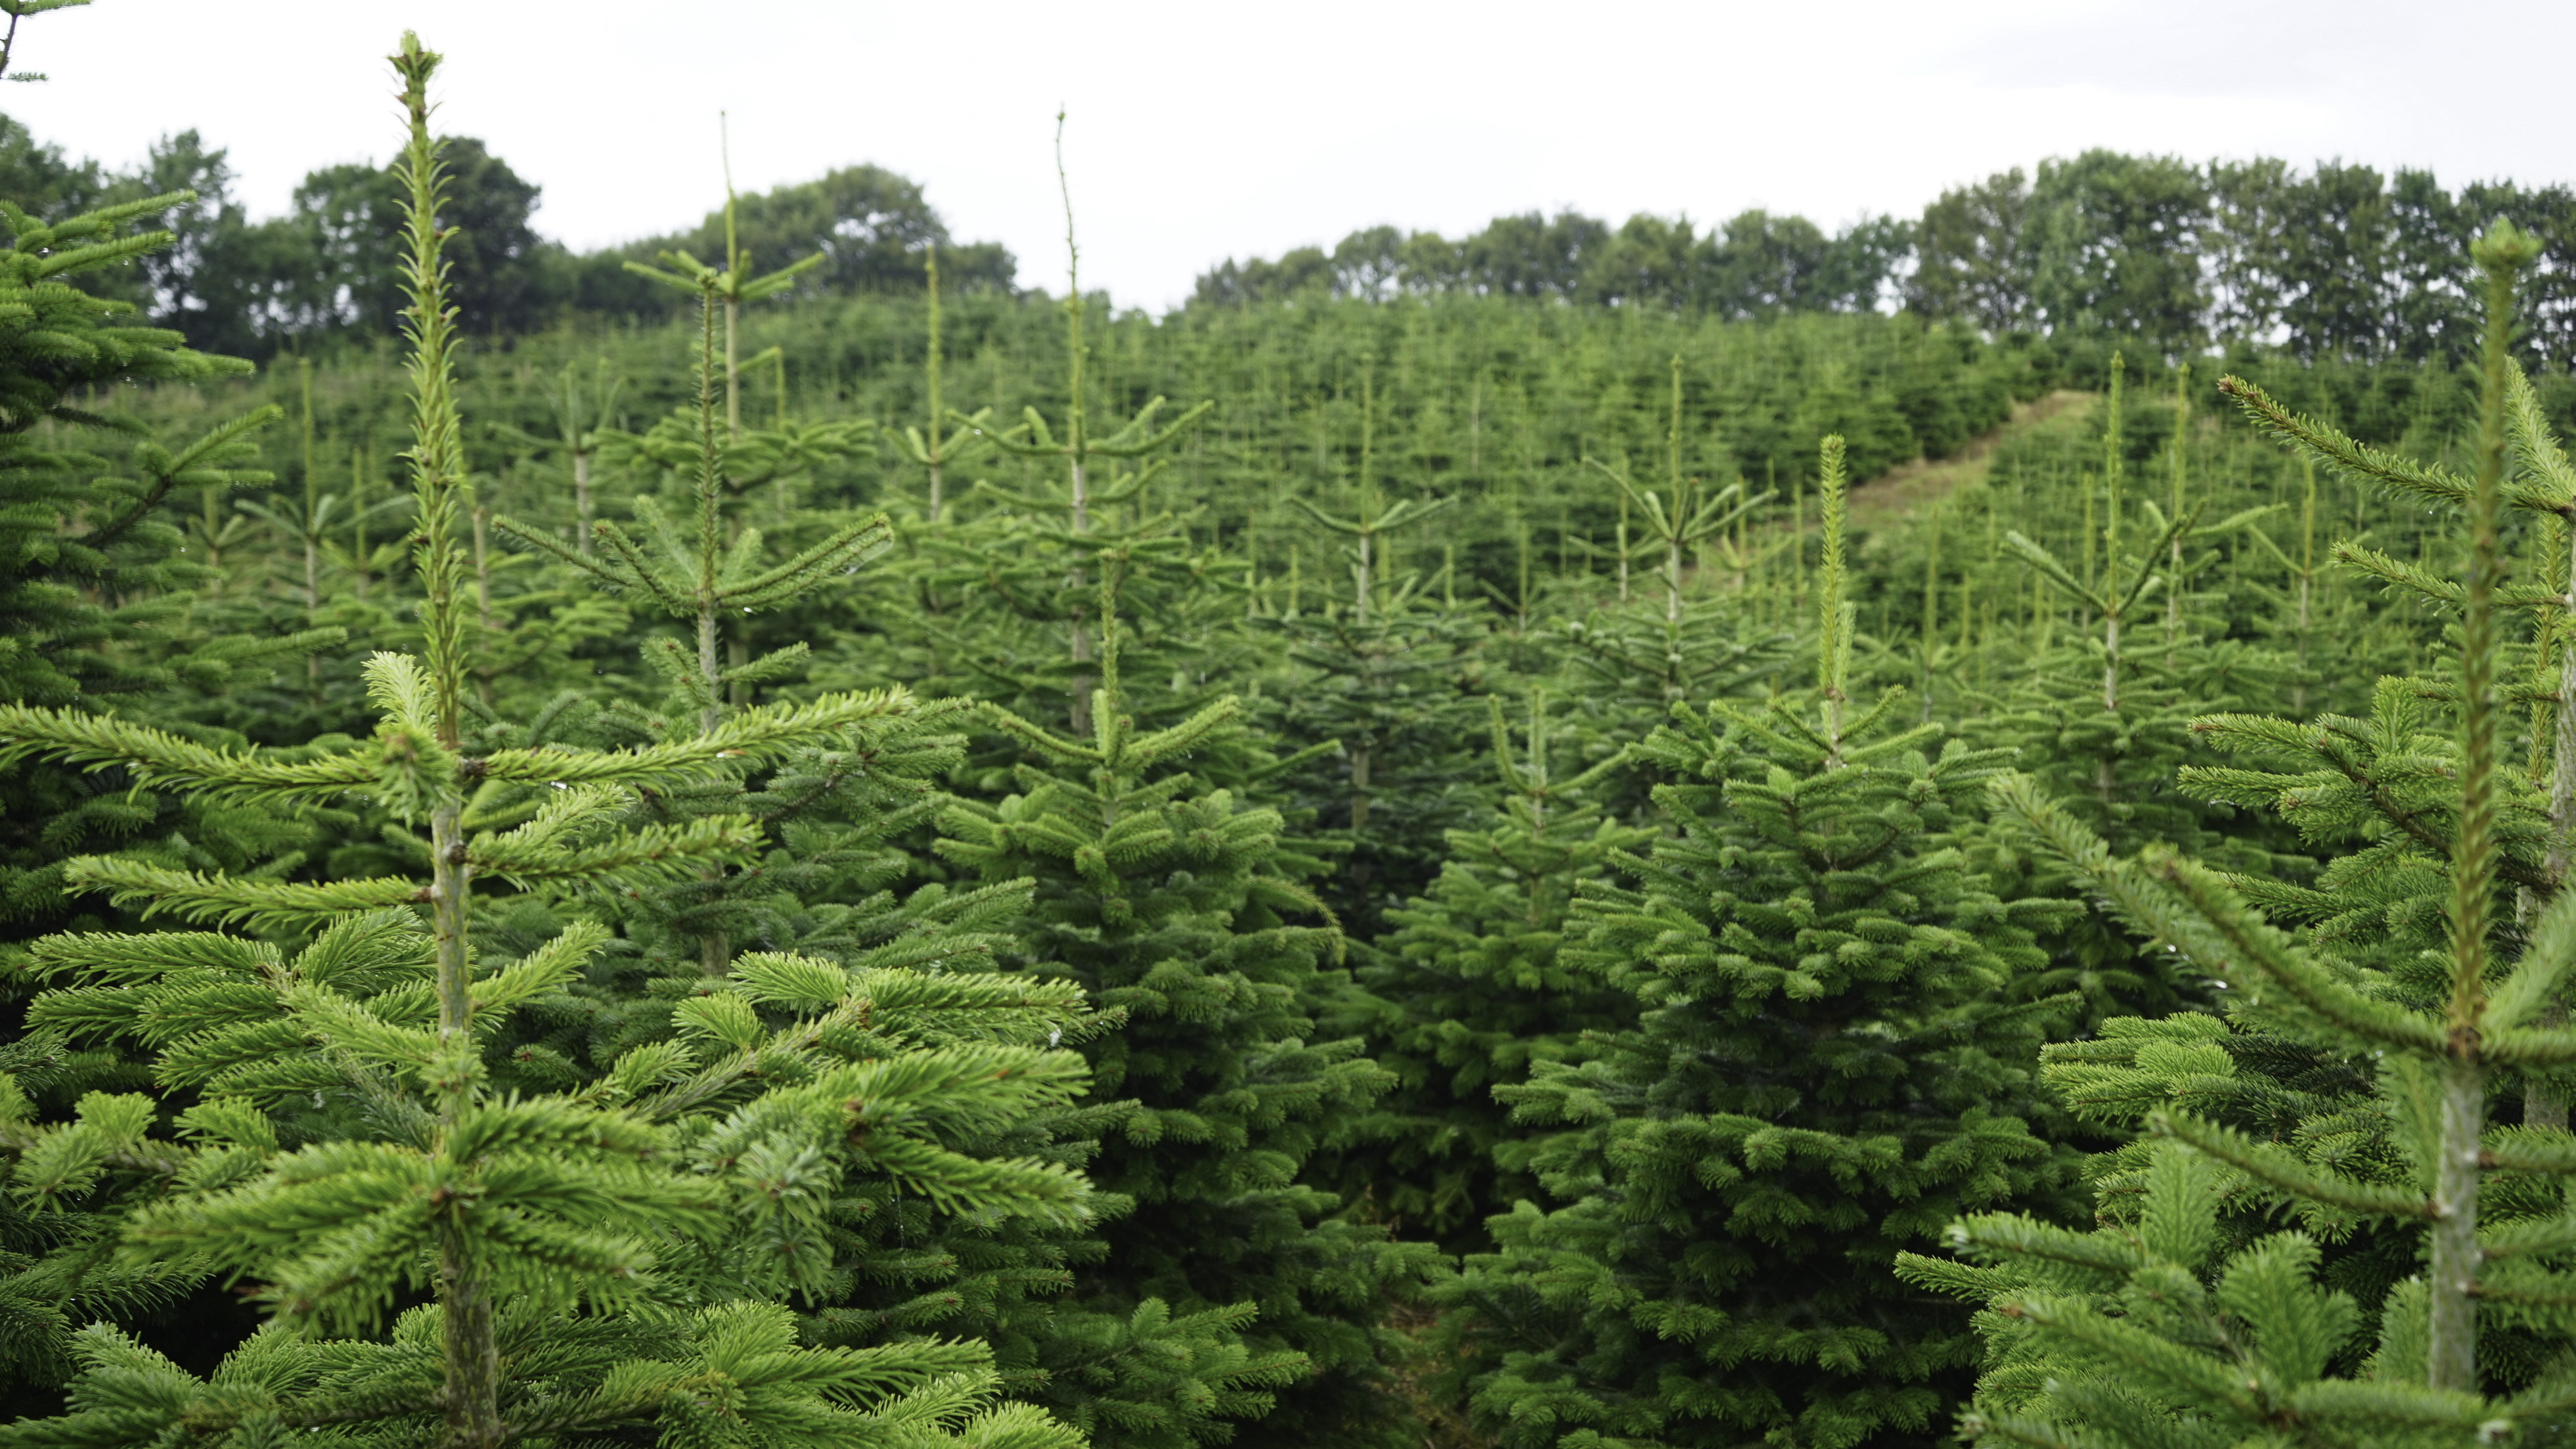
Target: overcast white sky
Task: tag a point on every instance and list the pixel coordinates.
(1201, 131)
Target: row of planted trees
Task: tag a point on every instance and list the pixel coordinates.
(1020, 966)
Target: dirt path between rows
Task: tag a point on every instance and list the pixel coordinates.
(1908, 486)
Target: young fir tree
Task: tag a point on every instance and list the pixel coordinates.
(1174, 903)
(1384, 693)
(2104, 719)
(1660, 646)
(1031, 561)
(948, 442)
(946, 445)
(2109, 720)
(832, 822)
(584, 412)
(1470, 988)
(709, 572)
(1831, 1060)
(2163, 1327)
(94, 581)
(340, 1131)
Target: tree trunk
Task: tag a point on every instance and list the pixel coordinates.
(470, 1398)
(2452, 1353)
(1359, 789)
(581, 500)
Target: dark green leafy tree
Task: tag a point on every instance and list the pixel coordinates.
(348, 219)
(1173, 902)
(1469, 988)
(1830, 1061)
(870, 227)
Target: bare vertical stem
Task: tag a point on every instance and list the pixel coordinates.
(938, 424)
(482, 515)
(1833, 616)
(2307, 577)
(1079, 500)
(581, 504)
(312, 520)
(2111, 479)
(2173, 579)
(1931, 600)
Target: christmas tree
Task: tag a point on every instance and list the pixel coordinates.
(2163, 1327)
(1176, 903)
(1830, 1061)
(593, 1261)
(1470, 988)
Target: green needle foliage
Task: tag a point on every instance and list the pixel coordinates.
(949, 441)
(1829, 1063)
(2116, 759)
(601, 1261)
(728, 286)
(2161, 1328)
(580, 413)
(93, 571)
(597, 990)
(881, 1263)
(1395, 689)
(1471, 988)
(1173, 902)
(1033, 558)
(1660, 644)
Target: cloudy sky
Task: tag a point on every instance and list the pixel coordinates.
(1203, 131)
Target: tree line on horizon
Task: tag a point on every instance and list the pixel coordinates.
(2338, 260)
(2334, 261)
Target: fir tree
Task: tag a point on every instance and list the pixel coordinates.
(599, 1261)
(583, 413)
(2163, 1329)
(948, 441)
(1659, 645)
(1470, 988)
(1032, 562)
(2105, 720)
(1383, 696)
(1830, 1061)
(833, 820)
(94, 602)
(1172, 902)
(2113, 747)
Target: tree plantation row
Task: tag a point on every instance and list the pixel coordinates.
(1345, 870)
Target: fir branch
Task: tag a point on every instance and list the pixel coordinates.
(2056, 573)
(159, 759)
(2281, 1169)
(642, 856)
(231, 900)
(763, 732)
(2441, 588)
(2336, 449)
(844, 549)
